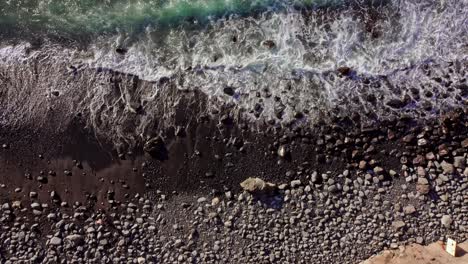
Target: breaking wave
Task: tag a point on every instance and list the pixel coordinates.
(287, 61)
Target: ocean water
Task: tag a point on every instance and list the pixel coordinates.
(277, 57)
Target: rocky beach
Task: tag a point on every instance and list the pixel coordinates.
(258, 149)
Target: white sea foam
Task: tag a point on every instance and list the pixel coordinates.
(388, 45)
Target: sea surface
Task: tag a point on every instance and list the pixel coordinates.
(270, 59)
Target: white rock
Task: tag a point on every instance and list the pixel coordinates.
(446, 220)
(55, 241)
(295, 183)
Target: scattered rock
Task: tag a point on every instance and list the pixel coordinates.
(283, 151)
(459, 162)
(447, 167)
(156, 148)
(229, 90)
(269, 44)
(76, 240)
(344, 71)
(397, 225)
(295, 183)
(446, 221)
(409, 210)
(258, 186)
(55, 241)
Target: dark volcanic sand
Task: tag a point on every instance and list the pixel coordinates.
(355, 179)
(182, 174)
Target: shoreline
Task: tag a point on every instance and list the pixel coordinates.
(324, 174)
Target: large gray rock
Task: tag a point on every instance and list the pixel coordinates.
(258, 186)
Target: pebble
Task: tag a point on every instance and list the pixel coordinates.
(446, 221)
(447, 167)
(55, 241)
(409, 210)
(295, 183)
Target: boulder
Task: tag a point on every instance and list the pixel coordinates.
(258, 186)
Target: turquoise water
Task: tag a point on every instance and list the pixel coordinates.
(68, 18)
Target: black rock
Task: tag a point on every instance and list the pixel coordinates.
(344, 71)
(269, 44)
(156, 148)
(229, 90)
(121, 51)
(396, 103)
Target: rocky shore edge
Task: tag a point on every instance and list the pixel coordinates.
(327, 194)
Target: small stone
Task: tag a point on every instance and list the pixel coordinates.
(397, 225)
(141, 260)
(423, 181)
(447, 167)
(37, 212)
(55, 241)
(430, 156)
(229, 90)
(51, 216)
(215, 201)
(283, 151)
(75, 239)
(269, 44)
(464, 143)
(295, 183)
(421, 172)
(378, 170)
(344, 71)
(422, 142)
(408, 210)
(362, 164)
(16, 205)
(459, 162)
(228, 224)
(422, 189)
(446, 220)
(36, 206)
(420, 240)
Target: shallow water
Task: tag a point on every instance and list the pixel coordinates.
(277, 57)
